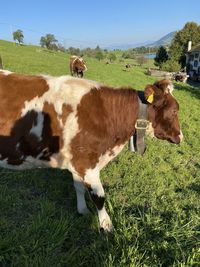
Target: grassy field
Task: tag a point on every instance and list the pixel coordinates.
(153, 201)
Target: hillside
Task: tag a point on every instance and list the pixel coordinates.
(165, 40)
(153, 200)
(35, 60)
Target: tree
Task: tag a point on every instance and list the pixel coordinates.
(161, 56)
(49, 41)
(61, 48)
(74, 51)
(179, 46)
(112, 57)
(18, 36)
(98, 53)
(171, 65)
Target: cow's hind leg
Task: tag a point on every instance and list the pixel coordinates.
(96, 191)
(80, 194)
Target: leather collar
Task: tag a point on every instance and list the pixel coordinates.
(136, 142)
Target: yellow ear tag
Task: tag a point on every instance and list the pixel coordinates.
(150, 98)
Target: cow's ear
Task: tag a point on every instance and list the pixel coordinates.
(154, 95)
(149, 93)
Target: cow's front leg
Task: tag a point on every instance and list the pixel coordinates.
(80, 194)
(96, 191)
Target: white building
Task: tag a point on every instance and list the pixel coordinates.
(193, 61)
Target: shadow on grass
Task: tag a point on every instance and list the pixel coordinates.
(195, 187)
(194, 91)
(39, 223)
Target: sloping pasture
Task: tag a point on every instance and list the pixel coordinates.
(154, 200)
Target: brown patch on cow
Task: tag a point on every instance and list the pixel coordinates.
(14, 91)
(20, 143)
(101, 114)
(66, 110)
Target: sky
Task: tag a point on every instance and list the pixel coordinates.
(89, 23)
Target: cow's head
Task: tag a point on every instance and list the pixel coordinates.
(163, 111)
(80, 64)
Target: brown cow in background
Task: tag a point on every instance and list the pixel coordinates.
(77, 66)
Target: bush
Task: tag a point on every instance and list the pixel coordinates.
(141, 60)
(171, 65)
(129, 54)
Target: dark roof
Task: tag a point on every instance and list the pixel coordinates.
(195, 49)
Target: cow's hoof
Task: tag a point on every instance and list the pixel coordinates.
(106, 225)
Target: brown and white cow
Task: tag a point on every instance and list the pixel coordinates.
(77, 66)
(77, 124)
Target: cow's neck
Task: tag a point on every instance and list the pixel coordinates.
(136, 142)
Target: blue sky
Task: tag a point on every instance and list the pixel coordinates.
(102, 22)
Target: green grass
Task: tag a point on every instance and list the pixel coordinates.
(153, 201)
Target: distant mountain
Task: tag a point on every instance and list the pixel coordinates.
(127, 46)
(165, 40)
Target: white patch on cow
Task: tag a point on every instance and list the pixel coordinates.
(60, 122)
(37, 129)
(92, 177)
(6, 72)
(35, 104)
(67, 90)
(109, 155)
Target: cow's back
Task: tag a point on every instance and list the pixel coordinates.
(38, 119)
